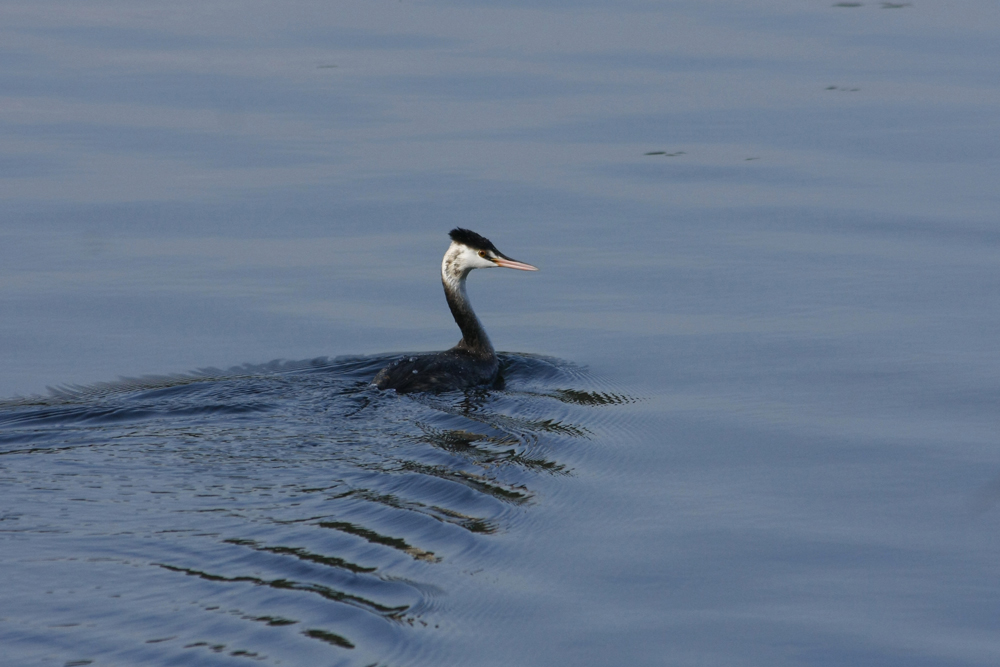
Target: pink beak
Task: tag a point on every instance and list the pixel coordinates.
(508, 263)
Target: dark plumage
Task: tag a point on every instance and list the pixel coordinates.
(470, 238)
(452, 369)
(472, 362)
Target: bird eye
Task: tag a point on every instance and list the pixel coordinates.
(482, 253)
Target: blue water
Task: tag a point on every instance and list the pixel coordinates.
(287, 513)
(751, 409)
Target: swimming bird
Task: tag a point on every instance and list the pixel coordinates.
(473, 361)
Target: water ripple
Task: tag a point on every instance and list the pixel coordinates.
(292, 498)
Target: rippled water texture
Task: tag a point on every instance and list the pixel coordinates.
(289, 513)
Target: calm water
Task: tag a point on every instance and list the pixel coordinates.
(753, 395)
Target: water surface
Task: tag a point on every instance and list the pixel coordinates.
(752, 408)
(286, 513)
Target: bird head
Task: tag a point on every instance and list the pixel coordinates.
(469, 251)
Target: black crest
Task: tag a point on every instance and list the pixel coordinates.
(472, 239)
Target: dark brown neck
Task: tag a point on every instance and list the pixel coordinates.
(474, 338)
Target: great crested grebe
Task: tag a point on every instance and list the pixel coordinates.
(473, 361)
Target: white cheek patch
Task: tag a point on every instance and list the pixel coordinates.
(470, 259)
(459, 260)
(476, 261)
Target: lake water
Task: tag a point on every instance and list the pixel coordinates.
(752, 398)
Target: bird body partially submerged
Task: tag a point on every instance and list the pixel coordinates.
(472, 362)
(453, 369)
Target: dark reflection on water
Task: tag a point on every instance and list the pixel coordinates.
(282, 507)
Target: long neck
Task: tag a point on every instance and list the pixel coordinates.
(474, 338)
